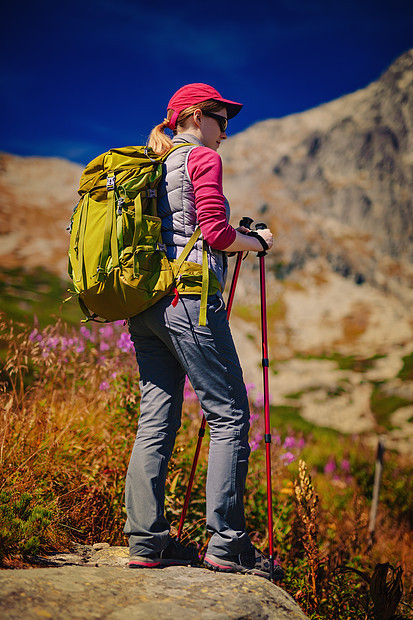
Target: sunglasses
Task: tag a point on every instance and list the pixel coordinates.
(222, 120)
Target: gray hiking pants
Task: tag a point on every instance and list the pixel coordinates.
(169, 344)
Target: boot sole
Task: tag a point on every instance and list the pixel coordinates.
(148, 563)
(222, 566)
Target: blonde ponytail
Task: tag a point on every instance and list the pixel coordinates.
(158, 140)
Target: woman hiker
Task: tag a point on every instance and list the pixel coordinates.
(170, 343)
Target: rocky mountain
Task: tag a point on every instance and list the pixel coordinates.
(335, 183)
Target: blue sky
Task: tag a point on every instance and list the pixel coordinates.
(80, 77)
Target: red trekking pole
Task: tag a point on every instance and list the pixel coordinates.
(246, 221)
(265, 366)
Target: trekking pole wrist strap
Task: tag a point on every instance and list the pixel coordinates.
(253, 233)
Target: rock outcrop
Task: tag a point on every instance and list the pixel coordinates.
(97, 584)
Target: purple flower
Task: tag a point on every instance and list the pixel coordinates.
(254, 417)
(64, 343)
(301, 443)
(86, 333)
(276, 439)
(53, 342)
(106, 331)
(255, 442)
(249, 387)
(104, 346)
(33, 335)
(287, 458)
(289, 442)
(330, 466)
(104, 386)
(124, 343)
(345, 465)
(259, 400)
(189, 393)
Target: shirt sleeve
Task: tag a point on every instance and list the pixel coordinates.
(205, 172)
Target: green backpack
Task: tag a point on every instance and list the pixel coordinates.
(117, 258)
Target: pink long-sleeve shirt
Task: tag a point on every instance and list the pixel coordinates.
(205, 171)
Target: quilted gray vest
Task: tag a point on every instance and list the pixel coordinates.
(176, 208)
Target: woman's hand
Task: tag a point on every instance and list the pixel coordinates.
(267, 235)
(244, 243)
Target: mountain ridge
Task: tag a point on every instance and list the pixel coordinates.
(344, 169)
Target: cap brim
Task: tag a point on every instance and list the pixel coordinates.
(232, 107)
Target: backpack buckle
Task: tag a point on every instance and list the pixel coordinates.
(161, 246)
(120, 206)
(110, 182)
(151, 193)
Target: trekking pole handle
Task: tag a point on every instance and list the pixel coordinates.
(254, 233)
(246, 221)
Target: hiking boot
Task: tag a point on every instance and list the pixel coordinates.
(252, 563)
(174, 554)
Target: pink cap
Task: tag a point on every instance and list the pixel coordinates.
(191, 94)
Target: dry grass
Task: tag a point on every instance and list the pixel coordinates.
(69, 410)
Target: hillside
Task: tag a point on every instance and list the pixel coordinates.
(336, 185)
(38, 195)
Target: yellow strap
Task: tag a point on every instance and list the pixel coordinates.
(114, 250)
(186, 250)
(107, 238)
(138, 221)
(81, 243)
(205, 285)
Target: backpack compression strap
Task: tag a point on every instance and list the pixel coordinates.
(205, 285)
(205, 271)
(110, 239)
(80, 241)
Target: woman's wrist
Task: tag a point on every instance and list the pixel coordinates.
(244, 243)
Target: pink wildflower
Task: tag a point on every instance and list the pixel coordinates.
(124, 343)
(33, 335)
(345, 465)
(249, 387)
(106, 331)
(255, 442)
(330, 466)
(259, 400)
(86, 333)
(289, 442)
(287, 458)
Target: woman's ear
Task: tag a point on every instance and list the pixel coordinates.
(197, 116)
